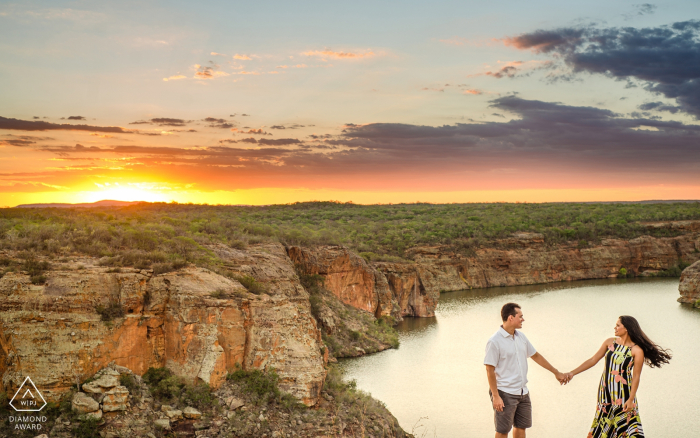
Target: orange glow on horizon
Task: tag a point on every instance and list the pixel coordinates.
(267, 196)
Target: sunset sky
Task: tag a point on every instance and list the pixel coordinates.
(372, 102)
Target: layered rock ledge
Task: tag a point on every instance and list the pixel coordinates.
(689, 286)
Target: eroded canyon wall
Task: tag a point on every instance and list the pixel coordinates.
(196, 322)
(414, 287)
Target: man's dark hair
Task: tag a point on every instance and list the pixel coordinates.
(508, 310)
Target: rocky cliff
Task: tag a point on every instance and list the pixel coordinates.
(194, 321)
(413, 288)
(689, 286)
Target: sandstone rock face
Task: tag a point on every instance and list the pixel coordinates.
(52, 332)
(348, 276)
(690, 285)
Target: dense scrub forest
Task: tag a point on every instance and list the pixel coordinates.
(161, 235)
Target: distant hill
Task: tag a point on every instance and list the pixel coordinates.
(104, 203)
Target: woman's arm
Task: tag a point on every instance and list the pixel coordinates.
(638, 355)
(593, 360)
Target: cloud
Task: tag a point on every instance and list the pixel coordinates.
(659, 106)
(216, 54)
(641, 9)
(166, 121)
(473, 91)
(278, 142)
(25, 125)
(174, 78)
(665, 59)
(252, 131)
(338, 55)
(218, 123)
(242, 57)
(76, 118)
(267, 141)
(208, 72)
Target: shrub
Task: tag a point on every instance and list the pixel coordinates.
(252, 284)
(167, 387)
(38, 279)
(263, 386)
(238, 244)
(622, 273)
(219, 294)
(111, 311)
(128, 381)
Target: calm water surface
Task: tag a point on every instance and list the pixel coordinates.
(438, 371)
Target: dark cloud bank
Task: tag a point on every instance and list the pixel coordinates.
(666, 58)
(543, 136)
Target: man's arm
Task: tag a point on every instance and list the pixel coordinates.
(497, 401)
(541, 361)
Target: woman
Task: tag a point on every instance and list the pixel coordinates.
(617, 415)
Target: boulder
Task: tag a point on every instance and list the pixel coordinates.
(191, 413)
(162, 423)
(174, 415)
(115, 399)
(84, 404)
(103, 384)
(96, 415)
(234, 403)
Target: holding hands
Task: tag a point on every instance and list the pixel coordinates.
(563, 378)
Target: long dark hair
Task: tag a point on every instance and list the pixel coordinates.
(654, 355)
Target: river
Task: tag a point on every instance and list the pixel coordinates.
(435, 382)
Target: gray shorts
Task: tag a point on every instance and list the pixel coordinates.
(517, 411)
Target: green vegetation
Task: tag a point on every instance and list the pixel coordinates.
(168, 388)
(111, 311)
(252, 284)
(171, 234)
(263, 387)
(673, 271)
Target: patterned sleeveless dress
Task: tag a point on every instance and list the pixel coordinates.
(615, 385)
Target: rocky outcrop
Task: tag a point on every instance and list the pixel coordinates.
(348, 276)
(689, 286)
(194, 321)
(414, 287)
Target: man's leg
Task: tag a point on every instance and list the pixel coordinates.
(504, 420)
(523, 417)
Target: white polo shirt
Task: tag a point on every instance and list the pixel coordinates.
(508, 354)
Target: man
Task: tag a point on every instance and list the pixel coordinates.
(506, 367)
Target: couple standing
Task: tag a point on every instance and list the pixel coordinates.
(617, 414)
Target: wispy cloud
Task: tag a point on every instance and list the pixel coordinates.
(339, 55)
(242, 57)
(174, 78)
(208, 72)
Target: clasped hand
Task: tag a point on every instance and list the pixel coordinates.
(563, 378)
